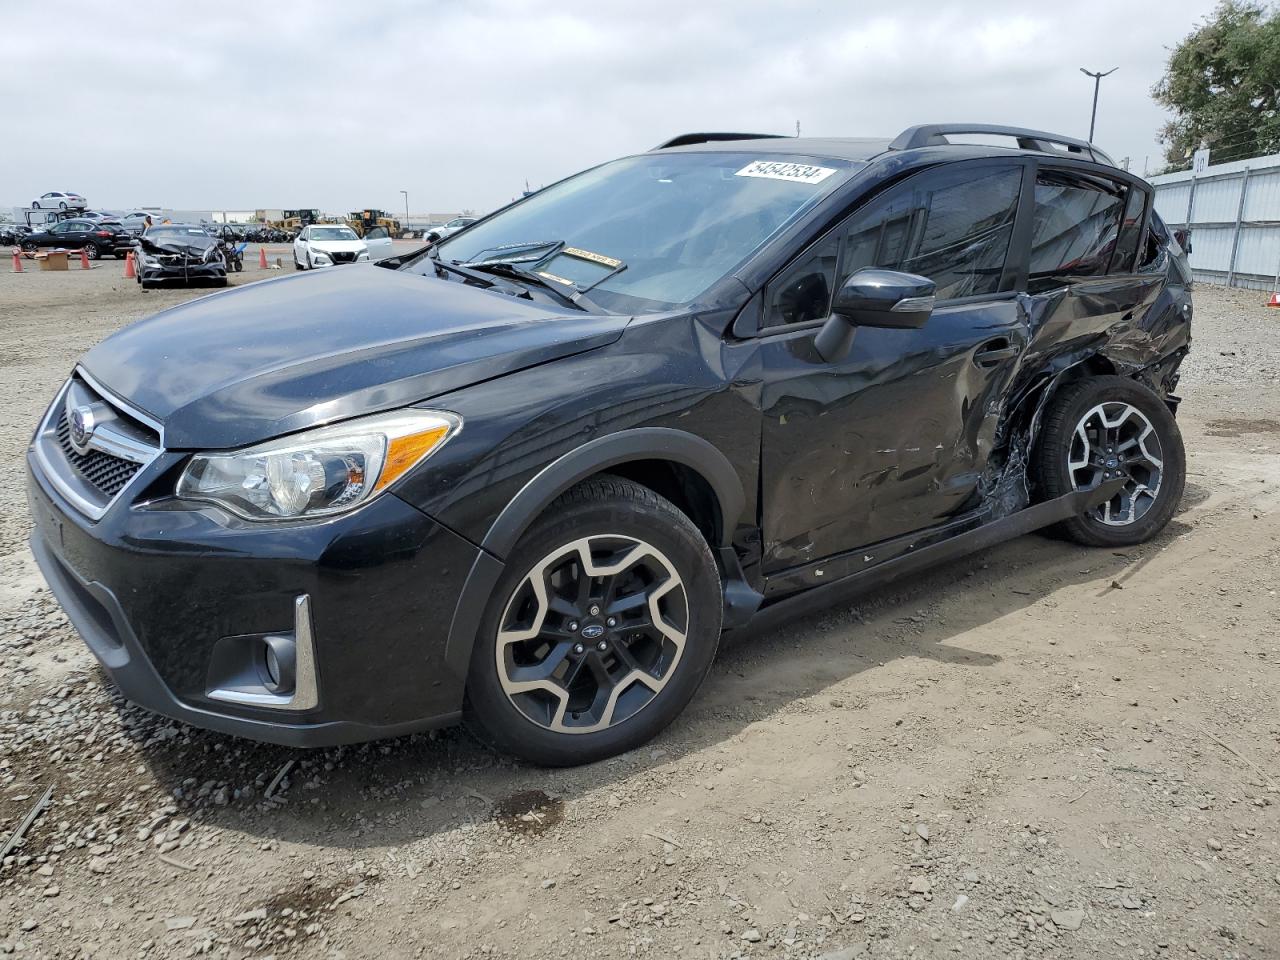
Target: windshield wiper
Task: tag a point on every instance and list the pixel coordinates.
(511, 272)
(548, 247)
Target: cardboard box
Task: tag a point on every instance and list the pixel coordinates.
(53, 260)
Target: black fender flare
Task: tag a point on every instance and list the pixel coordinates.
(594, 456)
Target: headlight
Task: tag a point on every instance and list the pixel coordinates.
(320, 472)
(318, 254)
(213, 253)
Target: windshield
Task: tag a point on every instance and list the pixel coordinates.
(333, 233)
(654, 231)
(176, 233)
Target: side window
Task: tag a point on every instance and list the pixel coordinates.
(803, 291)
(377, 233)
(1076, 227)
(951, 225)
(1130, 231)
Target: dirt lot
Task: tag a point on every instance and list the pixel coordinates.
(1042, 749)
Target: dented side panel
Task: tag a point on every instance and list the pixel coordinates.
(895, 437)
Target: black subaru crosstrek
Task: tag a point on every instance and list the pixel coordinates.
(528, 475)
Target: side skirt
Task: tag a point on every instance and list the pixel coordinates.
(988, 535)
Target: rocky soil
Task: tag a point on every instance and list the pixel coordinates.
(1042, 750)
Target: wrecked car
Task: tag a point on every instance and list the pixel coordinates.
(180, 253)
(528, 476)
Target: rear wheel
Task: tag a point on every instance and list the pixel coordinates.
(91, 251)
(1108, 428)
(600, 630)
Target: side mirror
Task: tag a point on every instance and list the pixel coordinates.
(874, 298)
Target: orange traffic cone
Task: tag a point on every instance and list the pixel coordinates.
(129, 272)
(1274, 301)
(262, 258)
(84, 259)
(17, 261)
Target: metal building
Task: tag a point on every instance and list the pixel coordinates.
(1233, 211)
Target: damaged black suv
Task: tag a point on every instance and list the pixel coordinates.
(529, 474)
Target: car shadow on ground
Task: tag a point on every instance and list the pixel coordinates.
(396, 792)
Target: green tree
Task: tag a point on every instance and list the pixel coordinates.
(1222, 83)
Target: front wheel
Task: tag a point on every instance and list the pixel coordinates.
(601, 629)
(1107, 428)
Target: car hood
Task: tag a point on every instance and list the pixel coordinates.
(192, 247)
(283, 355)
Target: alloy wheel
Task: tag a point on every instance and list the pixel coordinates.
(1116, 440)
(592, 634)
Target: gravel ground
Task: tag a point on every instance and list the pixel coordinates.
(1039, 750)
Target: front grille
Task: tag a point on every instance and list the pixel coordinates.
(344, 257)
(120, 445)
(106, 472)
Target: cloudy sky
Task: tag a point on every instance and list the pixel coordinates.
(343, 105)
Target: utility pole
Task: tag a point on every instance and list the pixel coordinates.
(406, 209)
(1097, 81)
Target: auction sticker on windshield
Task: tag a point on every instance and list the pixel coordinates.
(778, 170)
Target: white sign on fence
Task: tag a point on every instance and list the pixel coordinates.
(1200, 160)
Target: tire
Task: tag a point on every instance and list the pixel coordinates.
(63, 204)
(638, 540)
(30, 247)
(239, 266)
(91, 251)
(296, 264)
(1085, 422)
(36, 205)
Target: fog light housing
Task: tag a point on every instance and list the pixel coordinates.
(275, 670)
(277, 661)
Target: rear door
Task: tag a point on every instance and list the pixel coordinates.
(1082, 276)
(894, 437)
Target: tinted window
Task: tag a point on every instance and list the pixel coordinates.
(1130, 229)
(952, 226)
(1076, 227)
(802, 292)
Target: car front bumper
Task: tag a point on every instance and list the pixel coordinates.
(161, 273)
(156, 588)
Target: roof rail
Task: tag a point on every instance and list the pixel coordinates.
(935, 135)
(687, 139)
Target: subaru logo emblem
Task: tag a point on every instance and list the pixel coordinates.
(1112, 463)
(81, 427)
(592, 631)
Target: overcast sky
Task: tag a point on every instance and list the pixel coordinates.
(278, 104)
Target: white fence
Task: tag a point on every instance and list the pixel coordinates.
(1233, 212)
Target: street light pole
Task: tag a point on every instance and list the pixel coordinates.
(405, 225)
(1097, 81)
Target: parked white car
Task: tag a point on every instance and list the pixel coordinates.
(326, 244)
(59, 201)
(449, 228)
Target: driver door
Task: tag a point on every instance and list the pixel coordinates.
(892, 437)
(379, 242)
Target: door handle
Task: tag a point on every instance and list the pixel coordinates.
(993, 351)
